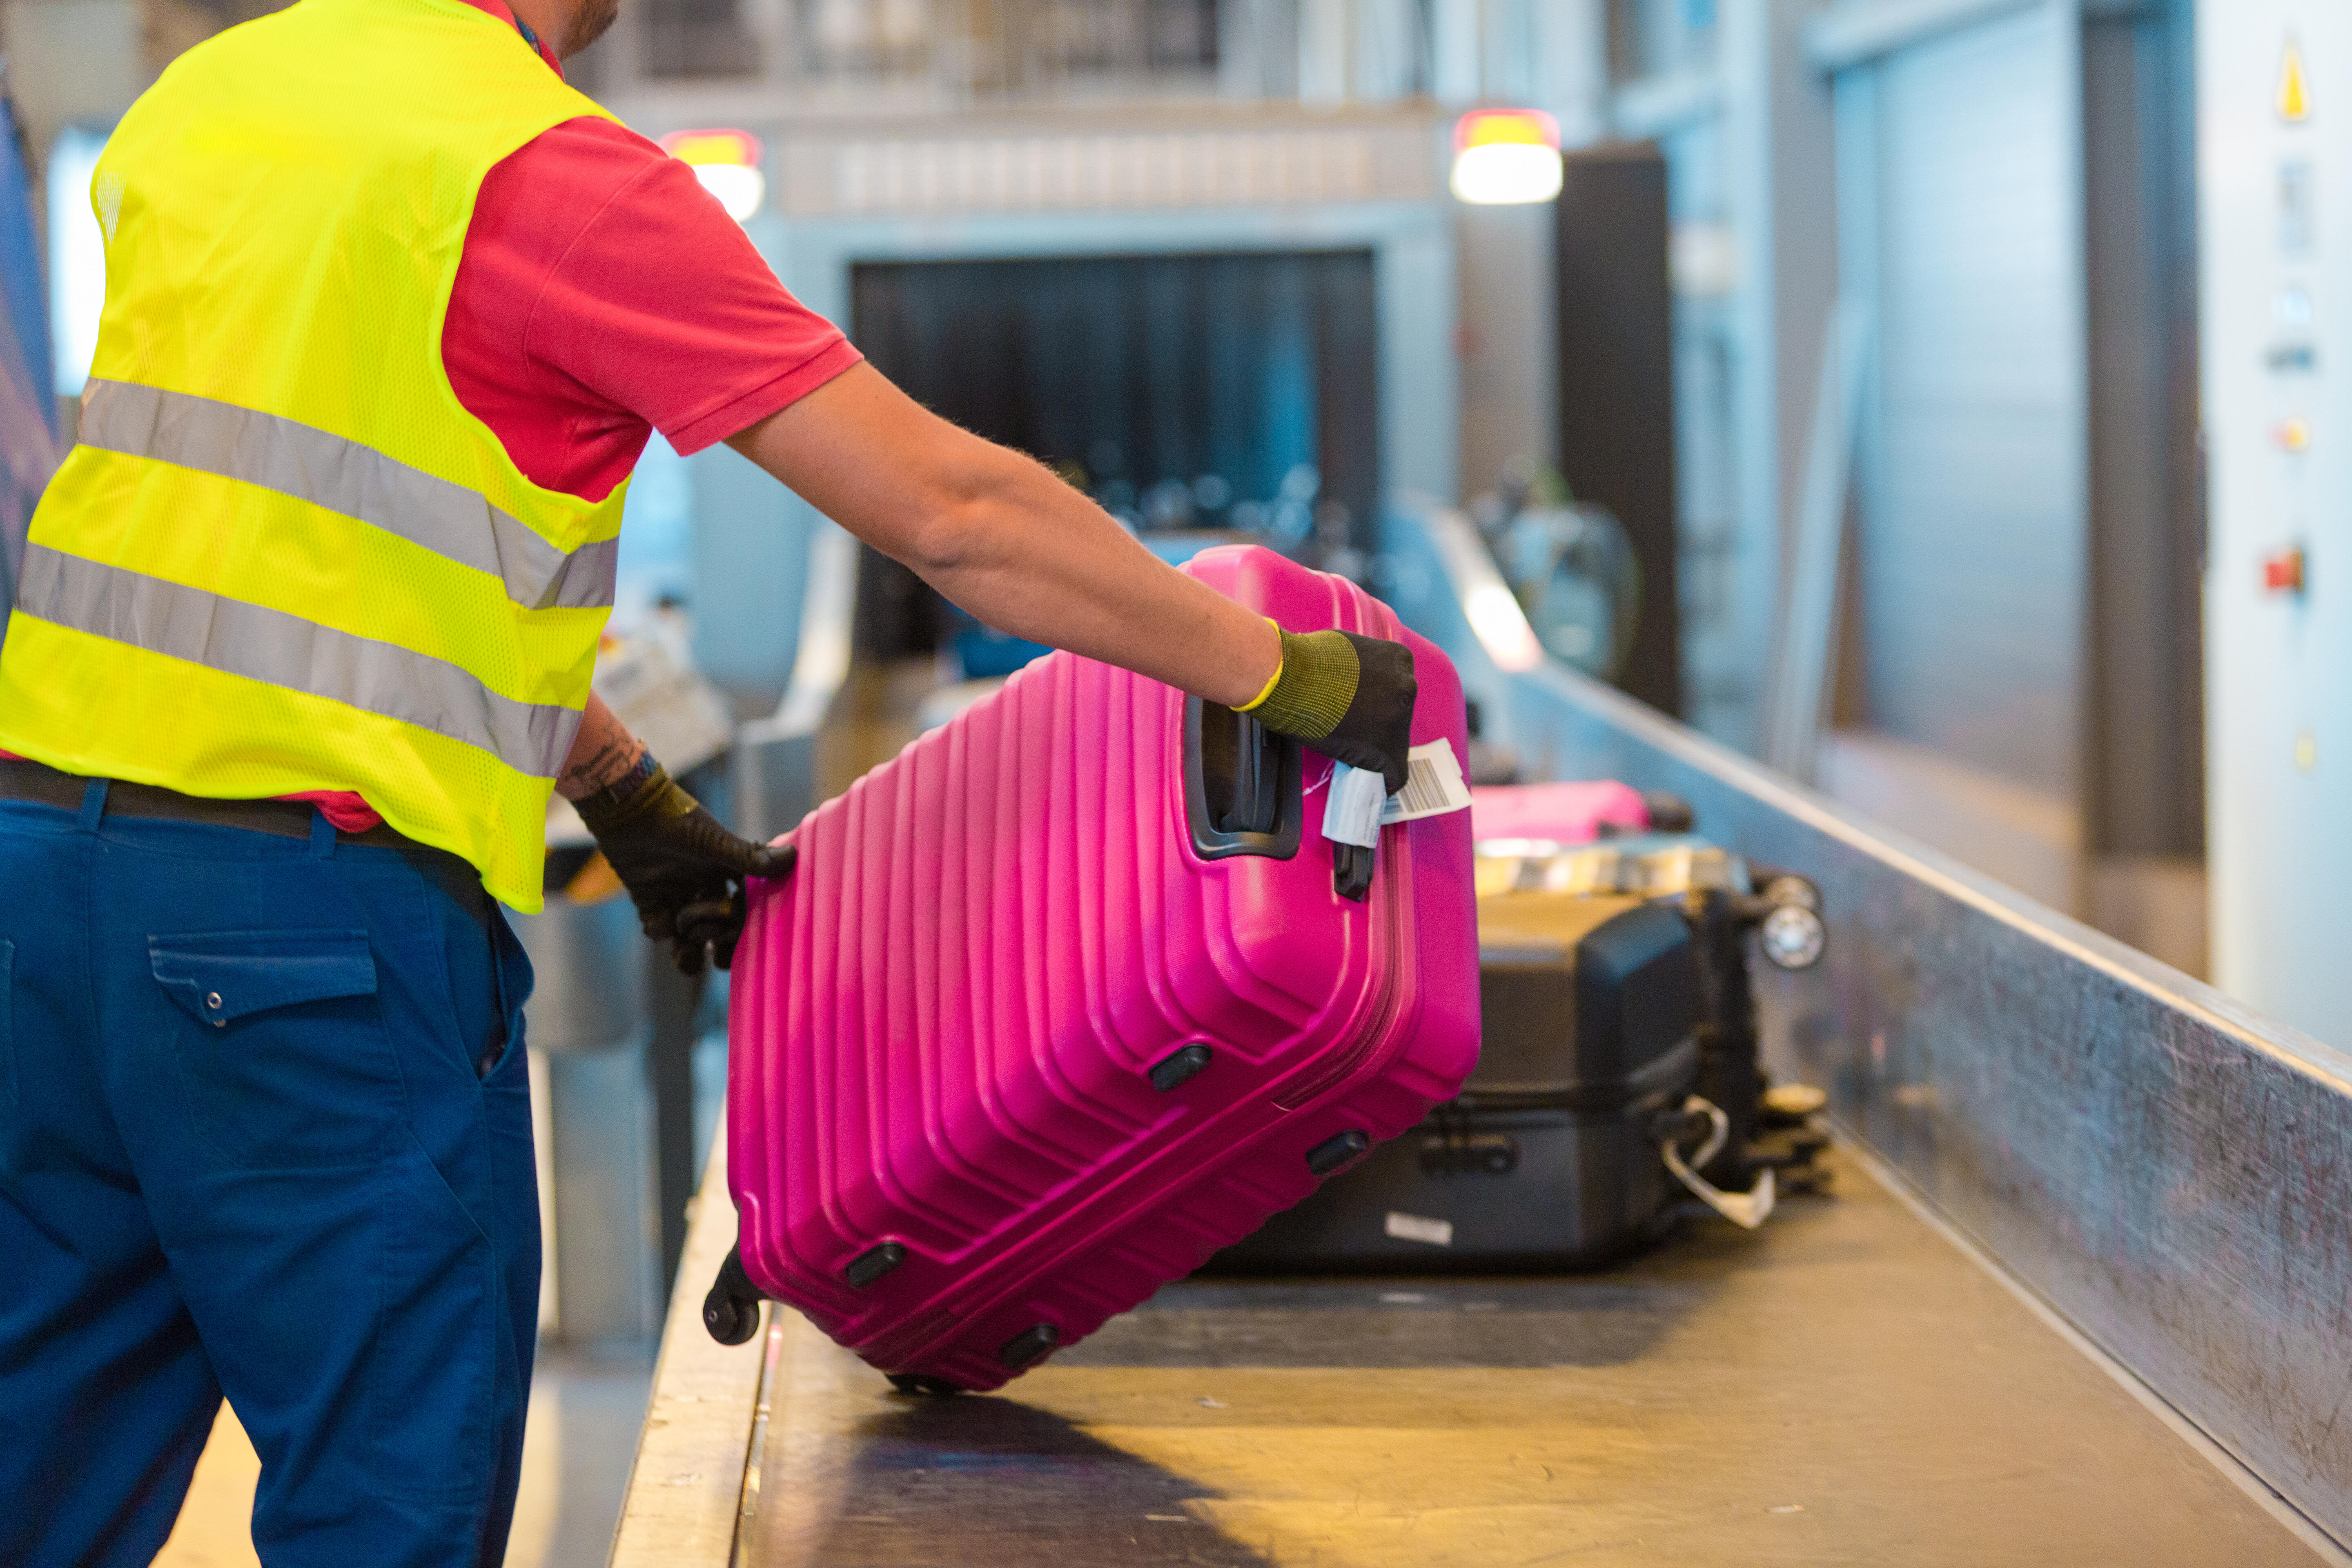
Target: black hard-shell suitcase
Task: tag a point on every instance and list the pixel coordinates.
(1618, 1024)
(1736, 908)
(1549, 1157)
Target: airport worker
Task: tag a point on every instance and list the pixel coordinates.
(303, 643)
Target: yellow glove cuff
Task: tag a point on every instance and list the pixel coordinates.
(1272, 680)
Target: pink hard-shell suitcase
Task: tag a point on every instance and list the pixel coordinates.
(1572, 813)
(1556, 813)
(1072, 993)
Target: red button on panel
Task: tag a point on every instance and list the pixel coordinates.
(2284, 573)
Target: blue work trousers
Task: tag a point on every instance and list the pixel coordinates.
(265, 1129)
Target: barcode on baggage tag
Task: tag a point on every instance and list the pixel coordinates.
(1434, 785)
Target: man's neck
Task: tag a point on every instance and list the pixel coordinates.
(532, 23)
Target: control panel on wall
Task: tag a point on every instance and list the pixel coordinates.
(2275, 172)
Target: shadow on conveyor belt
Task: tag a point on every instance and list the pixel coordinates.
(1547, 1320)
(983, 1480)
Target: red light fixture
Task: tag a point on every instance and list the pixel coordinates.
(1506, 156)
(726, 162)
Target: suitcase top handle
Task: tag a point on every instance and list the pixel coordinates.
(1242, 792)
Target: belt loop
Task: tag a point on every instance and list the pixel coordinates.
(93, 804)
(322, 835)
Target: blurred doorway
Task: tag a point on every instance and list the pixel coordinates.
(1235, 390)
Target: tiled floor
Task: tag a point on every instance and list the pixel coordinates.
(585, 1410)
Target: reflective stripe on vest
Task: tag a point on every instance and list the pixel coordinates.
(343, 476)
(261, 644)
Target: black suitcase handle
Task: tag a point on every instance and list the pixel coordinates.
(1242, 785)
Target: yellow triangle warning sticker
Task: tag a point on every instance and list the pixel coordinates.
(2293, 96)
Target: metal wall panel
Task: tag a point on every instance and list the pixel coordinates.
(1972, 535)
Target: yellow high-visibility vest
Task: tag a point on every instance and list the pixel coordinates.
(283, 556)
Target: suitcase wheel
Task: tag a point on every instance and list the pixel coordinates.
(1333, 1153)
(1029, 1345)
(1793, 937)
(919, 1382)
(731, 1310)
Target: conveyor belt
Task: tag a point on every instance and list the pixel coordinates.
(2159, 1164)
(1844, 1386)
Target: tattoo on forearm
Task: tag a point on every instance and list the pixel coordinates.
(585, 775)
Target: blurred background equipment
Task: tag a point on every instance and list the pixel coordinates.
(1617, 397)
(76, 255)
(590, 1026)
(624, 1096)
(648, 680)
(28, 434)
(1579, 579)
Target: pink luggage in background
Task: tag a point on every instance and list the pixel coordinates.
(1072, 993)
(1572, 813)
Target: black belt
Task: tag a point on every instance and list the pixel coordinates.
(21, 779)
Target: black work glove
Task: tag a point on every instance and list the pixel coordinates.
(683, 869)
(1347, 697)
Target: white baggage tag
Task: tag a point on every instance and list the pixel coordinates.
(1354, 812)
(1434, 785)
(1351, 810)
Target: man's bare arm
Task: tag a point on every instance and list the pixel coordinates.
(999, 535)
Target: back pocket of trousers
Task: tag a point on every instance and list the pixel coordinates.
(282, 1050)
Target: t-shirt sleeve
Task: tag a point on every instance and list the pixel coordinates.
(661, 305)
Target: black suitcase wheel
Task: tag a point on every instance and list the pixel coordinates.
(919, 1382)
(731, 1310)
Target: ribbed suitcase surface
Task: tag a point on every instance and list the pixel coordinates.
(1034, 1029)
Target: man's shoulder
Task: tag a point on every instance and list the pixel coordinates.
(540, 196)
(590, 144)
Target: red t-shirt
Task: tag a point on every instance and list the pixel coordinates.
(603, 294)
